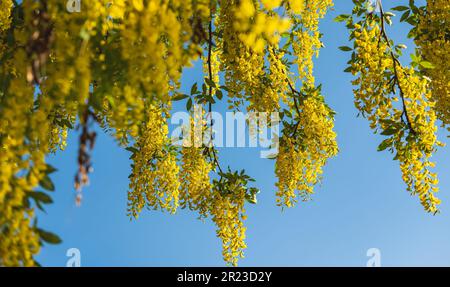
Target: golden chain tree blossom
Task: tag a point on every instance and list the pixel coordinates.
(228, 214)
(5, 14)
(119, 63)
(434, 44)
(154, 178)
(397, 101)
(309, 141)
(302, 156)
(196, 186)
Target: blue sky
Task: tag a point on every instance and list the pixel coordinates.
(362, 202)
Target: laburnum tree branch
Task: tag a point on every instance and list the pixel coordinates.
(86, 145)
(294, 92)
(396, 62)
(210, 93)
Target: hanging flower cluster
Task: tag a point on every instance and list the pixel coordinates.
(5, 14)
(306, 36)
(303, 154)
(398, 103)
(154, 178)
(195, 192)
(431, 27)
(228, 214)
(308, 140)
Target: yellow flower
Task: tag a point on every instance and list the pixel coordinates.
(414, 125)
(138, 5)
(271, 4)
(297, 6)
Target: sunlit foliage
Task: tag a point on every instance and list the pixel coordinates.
(119, 63)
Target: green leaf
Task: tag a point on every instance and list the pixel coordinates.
(412, 33)
(49, 237)
(400, 8)
(404, 16)
(39, 205)
(219, 94)
(384, 144)
(426, 65)
(67, 123)
(390, 131)
(40, 196)
(180, 97)
(415, 58)
(287, 113)
(341, 18)
(210, 82)
(251, 198)
(189, 104)
(348, 69)
(224, 88)
(411, 20)
(50, 169)
(395, 157)
(194, 89)
(47, 183)
(131, 149)
(345, 48)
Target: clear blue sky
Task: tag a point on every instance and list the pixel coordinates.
(361, 203)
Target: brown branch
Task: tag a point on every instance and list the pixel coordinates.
(294, 92)
(395, 66)
(210, 44)
(39, 43)
(87, 142)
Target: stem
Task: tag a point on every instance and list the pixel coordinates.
(294, 92)
(396, 63)
(210, 40)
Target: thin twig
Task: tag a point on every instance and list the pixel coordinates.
(210, 40)
(294, 92)
(396, 63)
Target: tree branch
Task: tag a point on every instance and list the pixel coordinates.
(396, 64)
(210, 41)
